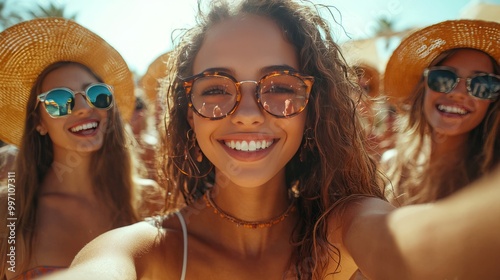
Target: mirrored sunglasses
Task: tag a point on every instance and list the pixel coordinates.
(216, 95)
(481, 85)
(59, 102)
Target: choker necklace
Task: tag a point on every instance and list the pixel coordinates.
(247, 224)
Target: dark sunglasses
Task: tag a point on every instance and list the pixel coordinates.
(482, 85)
(59, 102)
(216, 95)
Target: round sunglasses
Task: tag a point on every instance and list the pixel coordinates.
(481, 85)
(215, 95)
(59, 102)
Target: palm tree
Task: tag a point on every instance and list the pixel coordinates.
(50, 11)
(385, 27)
(9, 17)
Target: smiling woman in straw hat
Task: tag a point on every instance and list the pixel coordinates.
(64, 95)
(446, 79)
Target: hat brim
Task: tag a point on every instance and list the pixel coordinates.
(156, 71)
(417, 51)
(31, 46)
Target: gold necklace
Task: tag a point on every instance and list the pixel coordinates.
(247, 224)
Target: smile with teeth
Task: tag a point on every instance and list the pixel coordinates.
(85, 126)
(248, 146)
(452, 110)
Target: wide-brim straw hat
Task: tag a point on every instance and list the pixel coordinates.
(416, 52)
(151, 80)
(27, 48)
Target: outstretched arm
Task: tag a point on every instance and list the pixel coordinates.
(117, 254)
(455, 238)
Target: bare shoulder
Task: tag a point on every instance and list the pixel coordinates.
(356, 208)
(133, 240)
(347, 224)
(164, 259)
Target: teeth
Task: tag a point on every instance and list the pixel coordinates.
(452, 109)
(249, 146)
(84, 126)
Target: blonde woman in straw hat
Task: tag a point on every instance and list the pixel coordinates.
(268, 198)
(65, 94)
(446, 79)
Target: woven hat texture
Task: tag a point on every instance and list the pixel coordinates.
(29, 47)
(416, 52)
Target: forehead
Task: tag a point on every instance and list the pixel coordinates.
(71, 76)
(470, 59)
(249, 42)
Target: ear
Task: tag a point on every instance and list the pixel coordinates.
(41, 129)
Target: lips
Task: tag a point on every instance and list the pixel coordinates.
(452, 109)
(87, 128)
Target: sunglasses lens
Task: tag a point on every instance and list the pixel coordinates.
(485, 86)
(213, 96)
(441, 80)
(283, 95)
(59, 102)
(100, 96)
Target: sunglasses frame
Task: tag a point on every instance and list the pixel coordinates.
(42, 97)
(188, 85)
(468, 80)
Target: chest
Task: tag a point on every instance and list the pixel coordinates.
(62, 230)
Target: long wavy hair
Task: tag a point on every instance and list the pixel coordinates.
(335, 168)
(415, 179)
(112, 176)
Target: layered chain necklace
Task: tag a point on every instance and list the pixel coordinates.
(247, 224)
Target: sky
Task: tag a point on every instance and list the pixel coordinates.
(141, 30)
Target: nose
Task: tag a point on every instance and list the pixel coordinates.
(81, 106)
(459, 91)
(248, 111)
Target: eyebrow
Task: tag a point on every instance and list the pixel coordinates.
(277, 68)
(262, 71)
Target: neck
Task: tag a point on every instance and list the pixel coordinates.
(445, 145)
(69, 174)
(252, 203)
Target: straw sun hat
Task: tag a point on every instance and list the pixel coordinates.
(416, 52)
(29, 47)
(157, 70)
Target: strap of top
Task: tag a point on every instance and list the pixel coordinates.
(184, 236)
